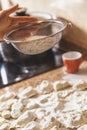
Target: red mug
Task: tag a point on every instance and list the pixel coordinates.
(72, 61)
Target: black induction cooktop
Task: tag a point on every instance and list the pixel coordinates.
(11, 72)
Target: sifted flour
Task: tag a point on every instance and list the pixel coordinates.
(41, 108)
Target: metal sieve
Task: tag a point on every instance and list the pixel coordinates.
(36, 37)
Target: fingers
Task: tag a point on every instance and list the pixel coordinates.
(11, 10)
(18, 21)
(24, 18)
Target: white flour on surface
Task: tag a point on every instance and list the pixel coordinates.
(74, 78)
(48, 106)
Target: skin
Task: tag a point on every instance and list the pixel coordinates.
(9, 22)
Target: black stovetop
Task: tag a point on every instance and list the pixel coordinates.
(14, 72)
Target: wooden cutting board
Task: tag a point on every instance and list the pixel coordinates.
(53, 75)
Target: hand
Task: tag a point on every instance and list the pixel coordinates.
(8, 23)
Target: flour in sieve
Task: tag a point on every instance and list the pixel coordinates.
(38, 45)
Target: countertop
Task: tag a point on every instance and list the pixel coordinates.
(53, 75)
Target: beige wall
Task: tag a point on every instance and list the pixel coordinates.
(34, 5)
